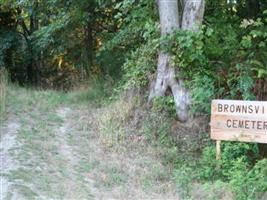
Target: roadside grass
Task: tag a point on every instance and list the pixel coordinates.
(111, 140)
(25, 191)
(111, 175)
(121, 166)
(103, 134)
(97, 93)
(85, 166)
(142, 161)
(29, 100)
(184, 159)
(3, 90)
(44, 169)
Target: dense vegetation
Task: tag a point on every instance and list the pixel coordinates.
(56, 44)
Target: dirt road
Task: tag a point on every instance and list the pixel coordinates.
(53, 150)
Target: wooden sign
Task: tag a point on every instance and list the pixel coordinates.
(239, 120)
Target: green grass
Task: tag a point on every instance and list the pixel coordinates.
(39, 147)
(97, 93)
(86, 166)
(111, 176)
(29, 100)
(26, 192)
(3, 88)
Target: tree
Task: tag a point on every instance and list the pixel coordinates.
(166, 74)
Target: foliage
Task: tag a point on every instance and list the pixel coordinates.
(137, 38)
(140, 66)
(239, 166)
(224, 60)
(218, 62)
(44, 39)
(183, 180)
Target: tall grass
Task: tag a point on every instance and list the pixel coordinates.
(3, 90)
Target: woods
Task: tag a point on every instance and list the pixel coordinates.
(143, 73)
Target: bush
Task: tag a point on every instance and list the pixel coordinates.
(248, 183)
(239, 167)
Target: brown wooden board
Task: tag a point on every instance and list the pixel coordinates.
(235, 120)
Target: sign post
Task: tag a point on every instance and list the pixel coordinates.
(218, 149)
(234, 120)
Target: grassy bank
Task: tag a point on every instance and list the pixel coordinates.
(186, 151)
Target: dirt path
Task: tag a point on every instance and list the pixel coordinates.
(58, 153)
(8, 142)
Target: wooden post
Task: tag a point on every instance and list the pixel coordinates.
(218, 149)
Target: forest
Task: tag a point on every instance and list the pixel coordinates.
(111, 99)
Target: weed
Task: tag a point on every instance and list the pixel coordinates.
(156, 127)
(183, 177)
(113, 122)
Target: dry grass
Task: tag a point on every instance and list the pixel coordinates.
(129, 167)
(112, 122)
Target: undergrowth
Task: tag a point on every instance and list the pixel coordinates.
(222, 61)
(240, 174)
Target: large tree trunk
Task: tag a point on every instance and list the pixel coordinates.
(193, 14)
(166, 74)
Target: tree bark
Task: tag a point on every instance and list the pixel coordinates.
(166, 74)
(193, 15)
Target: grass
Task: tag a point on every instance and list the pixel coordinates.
(29, 100)
(26, 192)
(113, 123)
(111, 175)
(85, 167)
(48, 170)
(3, 90)
(38, 151)
(118, 144)
(96, 94)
